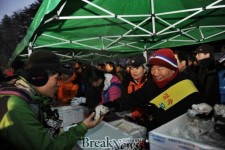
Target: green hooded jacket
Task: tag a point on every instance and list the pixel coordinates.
(20, 127)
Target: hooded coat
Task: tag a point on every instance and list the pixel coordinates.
(109, 90)
(208, 75)
(21, 126)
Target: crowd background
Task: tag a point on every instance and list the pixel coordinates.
(13, 29)
(106, 81)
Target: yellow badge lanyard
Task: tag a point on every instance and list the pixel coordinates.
(174, 94)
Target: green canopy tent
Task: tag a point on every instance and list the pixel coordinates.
(95, 30)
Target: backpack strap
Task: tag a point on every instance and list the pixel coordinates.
(51, 120)
(8, 91)
(3, 105)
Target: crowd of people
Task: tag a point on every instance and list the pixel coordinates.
(151, 92)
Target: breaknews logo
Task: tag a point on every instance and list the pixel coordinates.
(112, 144)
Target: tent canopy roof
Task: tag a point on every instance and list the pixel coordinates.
(115, 28)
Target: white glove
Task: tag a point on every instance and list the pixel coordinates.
(100, 110)
(78, 100)
(199, 109)
(219, 109)
(202, 108)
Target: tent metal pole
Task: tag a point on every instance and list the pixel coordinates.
(87, 39)
(86, 55)
(128, 45)
(163, 41)
(77, 54)
(61, 8)
(185, 29)
(172, 38)
(153, 17)
(189, 29)
(116, 36)
(214, 7)
(127, 16)
(215, 34)
(76, 43)
(66, 56)
(61, 39)
(140, 35)
(134, 47)
(215, 26)
(88, 59)
(173, 25)
(201, 33)
(120, 43)
(36, 47)
(102, 41)
(147, 35)
(96, 6)
(35, 37)
(111, 47)
(56, 16)
(116, 16)
(183, 40)
(84, 17)
(24, 55)
(105, 55)
(175, 12)
(194, 9)
(49, 20)
(29, 49)
(145, 55)
(216, 2)
(132, 24)
(101, 17)
(178, 30)
(128, 32)
(66, 60)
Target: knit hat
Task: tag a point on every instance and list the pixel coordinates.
(43, 59)
(137, 61)
(163, 57)
(205, 48)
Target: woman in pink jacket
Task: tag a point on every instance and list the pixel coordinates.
(101, 87)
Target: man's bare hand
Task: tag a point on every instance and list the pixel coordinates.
(90, 122)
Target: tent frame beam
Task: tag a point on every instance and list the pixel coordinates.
(122, 40)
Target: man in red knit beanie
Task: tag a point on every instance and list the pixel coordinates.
(163, 66)
(164, 97)
(164, 57)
